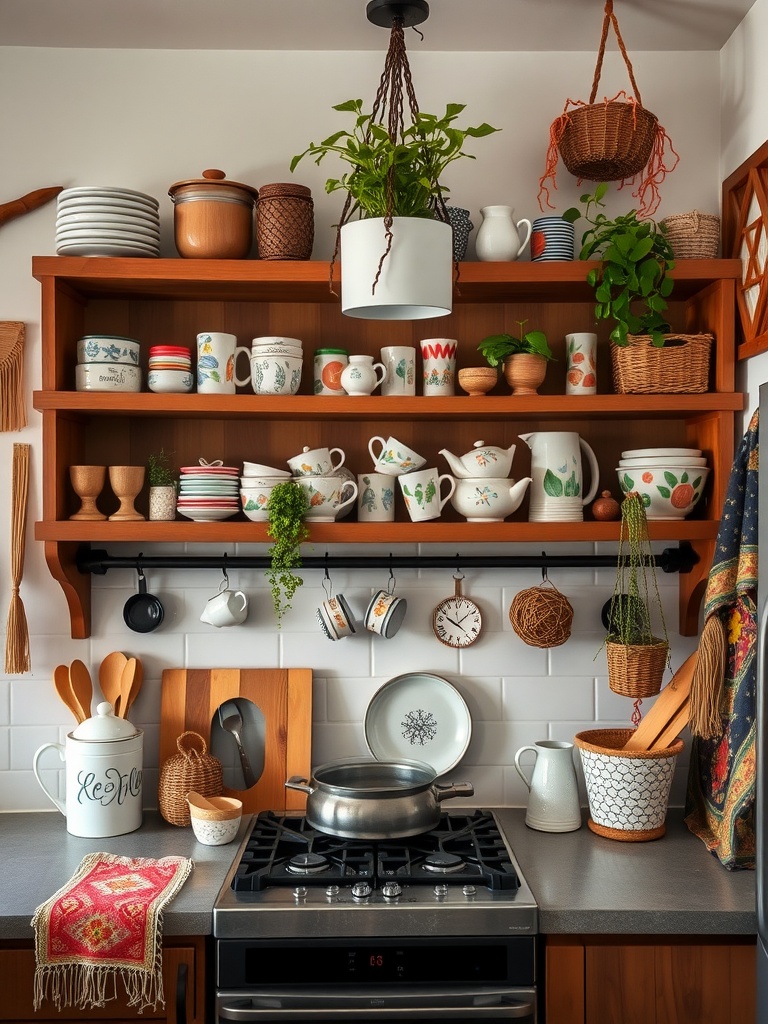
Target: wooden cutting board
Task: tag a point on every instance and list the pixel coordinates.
(190, 700)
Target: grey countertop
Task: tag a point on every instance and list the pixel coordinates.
(582, 882)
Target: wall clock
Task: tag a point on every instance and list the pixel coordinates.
(457, 621)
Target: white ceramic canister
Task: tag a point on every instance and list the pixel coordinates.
(103, 758)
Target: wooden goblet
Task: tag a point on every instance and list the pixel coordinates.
(88, 483)
(126, 482)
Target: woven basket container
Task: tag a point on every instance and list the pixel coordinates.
(608, 141)
(680, 366)
(693, 236)
(636, 670)
(541, 616)
(285, 222)
(628, 790)
(191, 769)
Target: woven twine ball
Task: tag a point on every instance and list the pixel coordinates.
(541, 616)
(191, 769)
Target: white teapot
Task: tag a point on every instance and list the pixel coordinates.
(103, 756)
(485, 460)
(488, 499)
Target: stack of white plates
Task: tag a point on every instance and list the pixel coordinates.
(102, 221)
(648, 458)
(209, 492)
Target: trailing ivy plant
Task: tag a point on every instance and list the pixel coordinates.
(632, 283)
(497, 347)
(286, 509)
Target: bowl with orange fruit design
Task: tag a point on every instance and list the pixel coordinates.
(670, 486)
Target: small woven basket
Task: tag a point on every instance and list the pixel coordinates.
(693, 236)
(636, 670)
(285, 222)
(628, 791)
(680, 366)
(608, 141)
(541, 616)
(191, 769)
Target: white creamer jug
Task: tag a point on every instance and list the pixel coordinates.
(103, 756)
(553, 801)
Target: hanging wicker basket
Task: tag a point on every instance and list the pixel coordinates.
(285, 222)
(693, 236)
(636, 670)
(680, 366)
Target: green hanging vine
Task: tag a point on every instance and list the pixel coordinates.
(287, 509)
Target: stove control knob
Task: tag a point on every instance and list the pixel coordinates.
(361, 890)
(332, 890)
(300, 892)
(391, 890)
(441, 890)
(469, 890)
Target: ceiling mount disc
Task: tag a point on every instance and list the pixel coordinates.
(384, 12)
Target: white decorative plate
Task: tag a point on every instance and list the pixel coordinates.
(660, 463)
(91, 191)
(640, 453)
(208, 515)
(421, 717)
(104, 249)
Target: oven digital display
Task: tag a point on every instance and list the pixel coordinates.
(372, 964)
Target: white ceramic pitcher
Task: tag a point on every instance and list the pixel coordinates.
(553, 802)
(498, 237)
(557, 491)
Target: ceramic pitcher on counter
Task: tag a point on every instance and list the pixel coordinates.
(553, 801)
(557, 490)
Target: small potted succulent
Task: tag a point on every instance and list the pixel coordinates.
(286, 510)
(163, 486)
(523, 359)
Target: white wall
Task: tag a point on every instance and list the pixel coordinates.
(744, 128)
(144, 120)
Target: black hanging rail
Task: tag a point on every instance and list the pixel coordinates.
(680, 559)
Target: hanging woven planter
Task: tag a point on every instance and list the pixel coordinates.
(614, 140)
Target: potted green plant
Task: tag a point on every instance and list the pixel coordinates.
(523, 359)
(394, 186)
(163, 486)
(286, 509)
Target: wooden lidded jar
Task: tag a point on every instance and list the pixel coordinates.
(213, 217)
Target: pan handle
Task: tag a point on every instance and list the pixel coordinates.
(300, 783)
(459, 789)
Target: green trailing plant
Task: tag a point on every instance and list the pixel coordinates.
(416, 159)
(632, 283)
(159, 470)
(286, 510)
(497, 347)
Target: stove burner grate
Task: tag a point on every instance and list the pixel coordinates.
(443, 863)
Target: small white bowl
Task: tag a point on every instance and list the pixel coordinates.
(215, 833)
(251, 483)
(273, 340)
(277, 350)
(670, 493)
(107, 377)
(108, 348)
(164, 382)
(259, 470)
(275, 375)
(254, 501)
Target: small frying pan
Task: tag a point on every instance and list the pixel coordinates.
(143, 612)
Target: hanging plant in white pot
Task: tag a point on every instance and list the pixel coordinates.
(397, 258)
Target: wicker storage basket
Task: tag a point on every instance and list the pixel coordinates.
(285, 222)
(608, 141)
(628, 790)
(693, 236)
(191, 769)
(680, 366)
(636, 670)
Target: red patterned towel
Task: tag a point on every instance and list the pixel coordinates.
(105, 923)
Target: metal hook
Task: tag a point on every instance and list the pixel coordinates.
(327, 580)
(139, 568)
(391, 582)
(224, 585)
(544, 577)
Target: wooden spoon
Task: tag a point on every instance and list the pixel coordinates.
(126, 700)
(65, 691)
(126, 685)
(669, 705)
(110, 674)
(82, 687)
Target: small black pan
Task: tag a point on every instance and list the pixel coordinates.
(143, 612)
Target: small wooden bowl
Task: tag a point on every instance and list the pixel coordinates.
(478, 380)
(213, 808)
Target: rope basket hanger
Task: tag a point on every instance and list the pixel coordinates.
(610, 141)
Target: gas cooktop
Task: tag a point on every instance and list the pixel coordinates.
(459, 878)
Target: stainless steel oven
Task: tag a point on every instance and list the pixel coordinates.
(310, 927)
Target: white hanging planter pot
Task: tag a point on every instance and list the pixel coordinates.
(416, 279)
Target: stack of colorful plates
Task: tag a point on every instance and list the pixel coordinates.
(170, 369)
(102, 221)
(208, 492)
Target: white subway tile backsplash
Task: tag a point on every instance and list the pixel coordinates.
(26, 739)
(554, 698)
(5, 749)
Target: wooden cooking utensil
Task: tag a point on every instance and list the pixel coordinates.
(126, 700)
(82, 687)
(675, 727)
(65, 691)
(126, 684)
(668, 704)
(110, 674)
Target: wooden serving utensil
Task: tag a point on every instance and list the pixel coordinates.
(110, 675)
(126, 700)
(82, 687)
(64, 689)
(126, 685)
(671, 706)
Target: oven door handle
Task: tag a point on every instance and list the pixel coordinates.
(480, 1004)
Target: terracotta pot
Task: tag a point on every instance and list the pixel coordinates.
(524, 372)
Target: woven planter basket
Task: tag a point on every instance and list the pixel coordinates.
(680, 366)
(636, 670)
(693, 236)
(628, 790)
(191, 769)
(285, 222)
(608, 141)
